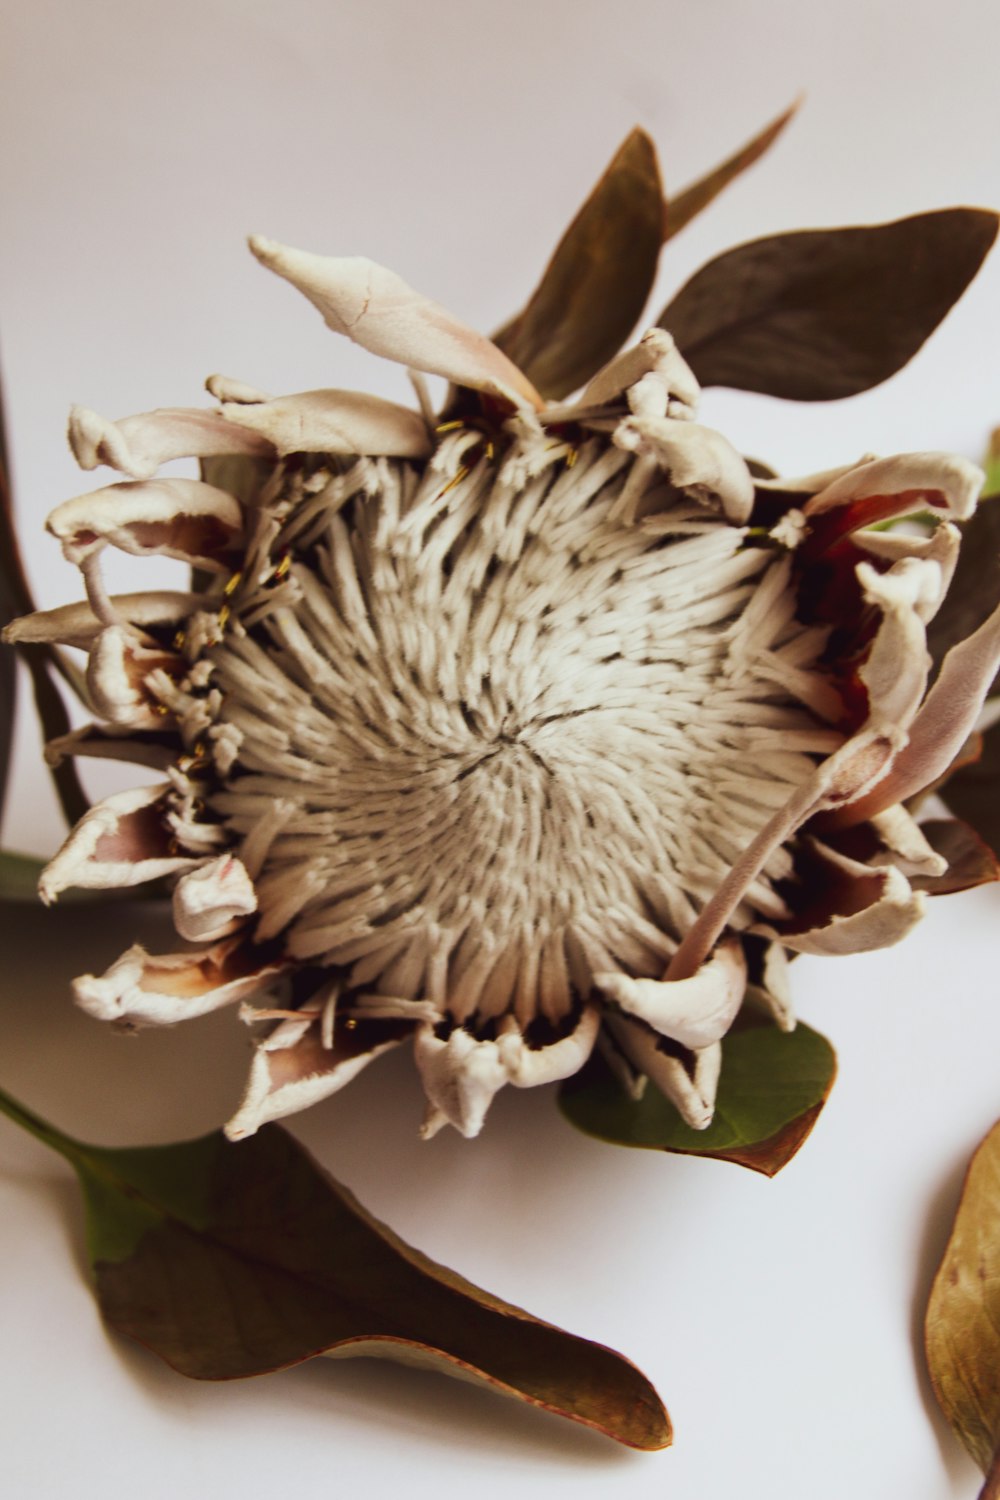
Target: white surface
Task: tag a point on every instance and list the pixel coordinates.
(453, 142)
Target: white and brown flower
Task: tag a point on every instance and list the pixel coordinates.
(512, 736)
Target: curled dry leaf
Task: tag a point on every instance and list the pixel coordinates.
(307, 1271)
(681, 210)
(971, 861)
(962, 1331)
(597, 282)
(825, 313)
(771, 1090)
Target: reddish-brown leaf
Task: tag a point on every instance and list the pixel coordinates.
(597, 282)
(825, 313)
(680, 210)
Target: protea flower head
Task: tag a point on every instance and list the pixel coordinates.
(529, 728)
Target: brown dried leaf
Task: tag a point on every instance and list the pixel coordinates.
(973, 791)
(681, 210)
(962, 1329)
(971, 862)
(304, 1270)
(597, 282)
(826, 313)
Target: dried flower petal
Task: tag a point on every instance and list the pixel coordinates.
(180, 518)
(138, 445)
(334, 422)
(377, 309)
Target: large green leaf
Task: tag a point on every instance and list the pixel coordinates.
(598, 280)
(680, 210)
(772, 1088)
(306, 1271)
(826, 313)
(962, 1331)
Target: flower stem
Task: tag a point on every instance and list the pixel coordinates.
(40, 1129)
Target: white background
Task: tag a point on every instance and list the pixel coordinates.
(453, 142)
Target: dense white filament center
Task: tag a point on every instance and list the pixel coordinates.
(496, 736)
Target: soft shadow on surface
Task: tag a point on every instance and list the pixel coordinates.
(940, 1217)
(480, 1205)
(423, 1408)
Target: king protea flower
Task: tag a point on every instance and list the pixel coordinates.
(523, 731)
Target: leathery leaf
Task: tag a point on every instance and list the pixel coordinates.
(962, 1331)
(235, 1260)
(771, 1090)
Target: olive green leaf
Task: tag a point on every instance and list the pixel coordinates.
(992, 485)
(683, 208)
(307, 1271)
(597, 282)
(973, 792)
(19, 876)
(962, 1329)
(825, 313)
(772, 1088)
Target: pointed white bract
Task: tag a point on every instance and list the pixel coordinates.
(696, 459)
(462, 1074)
(913, 481)
(377, 309)
(334, 422)
(118, 667)
(181, 518)
(145, 989)
(695, 1011)
(211, 901)
(690, 1085)
(77, 625)
(656, 355)
(942, 725)
(292, 1070)
(121, 841)
(138, 445)
(876, 909)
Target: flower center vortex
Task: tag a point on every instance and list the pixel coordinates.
(503, 726)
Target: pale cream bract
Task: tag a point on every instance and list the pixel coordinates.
(540, 728)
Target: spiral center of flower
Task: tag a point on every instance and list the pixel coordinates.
(499, 732)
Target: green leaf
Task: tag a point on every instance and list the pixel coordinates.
(973, 792)
(306, 1271)
(682, 209)
(598, 280)
(992, 485)
(772, 1088)
(962, 1329)
(825, 313)
(19, 876)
